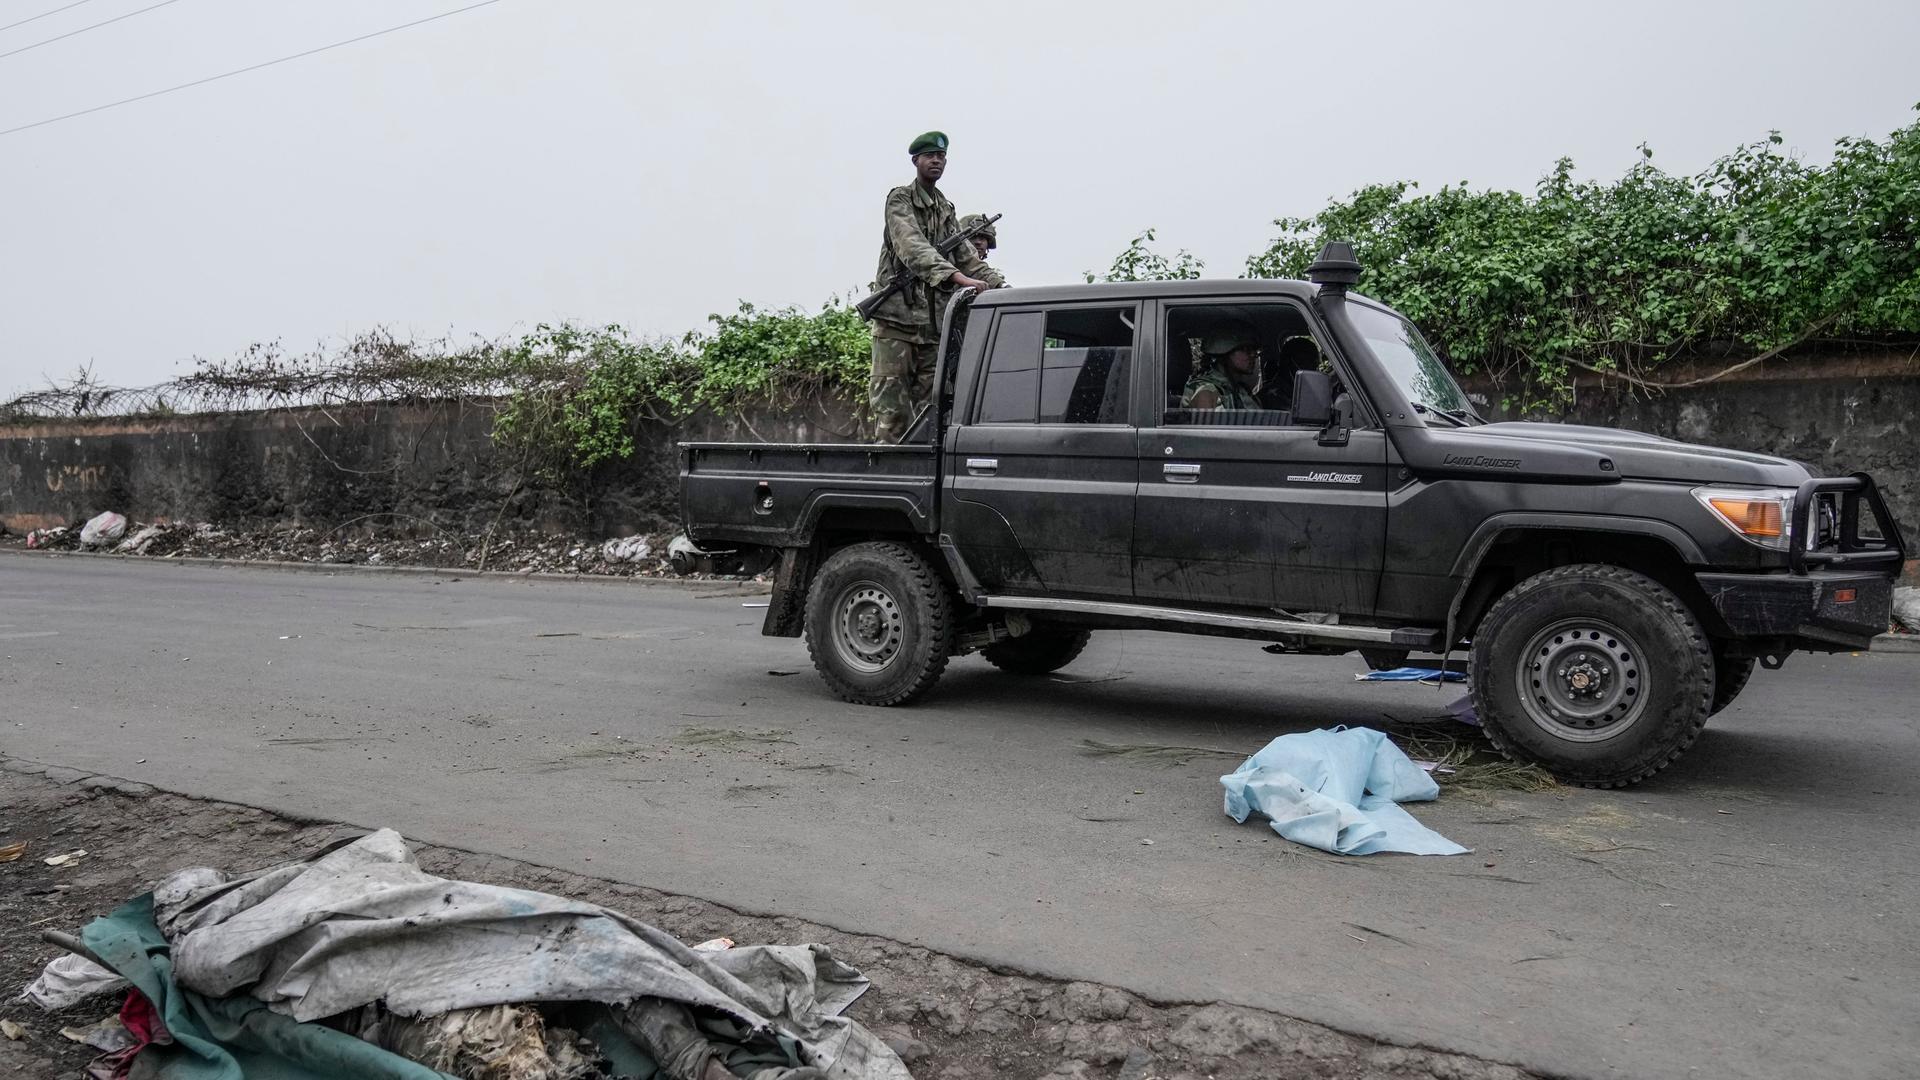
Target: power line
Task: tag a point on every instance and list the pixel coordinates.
(84, 29)
(244, 70)
(44, 14)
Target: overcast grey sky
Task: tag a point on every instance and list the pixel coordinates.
(649, 163)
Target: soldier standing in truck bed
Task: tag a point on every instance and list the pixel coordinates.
(906, 328)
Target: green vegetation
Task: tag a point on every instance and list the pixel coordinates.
(1756, 254)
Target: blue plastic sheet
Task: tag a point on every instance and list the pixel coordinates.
(1412, 674)
(1338, 790)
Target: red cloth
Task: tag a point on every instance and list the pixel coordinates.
(139, 1017)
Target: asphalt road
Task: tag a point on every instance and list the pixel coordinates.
(1751, 912)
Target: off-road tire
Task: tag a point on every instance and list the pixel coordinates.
(1041, 650)
(1647, 651)
(896, 593)
(1730, 676)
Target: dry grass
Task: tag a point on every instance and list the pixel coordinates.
(1475, 764)
(1155, 754)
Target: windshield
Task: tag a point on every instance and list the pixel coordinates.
(1408, 360)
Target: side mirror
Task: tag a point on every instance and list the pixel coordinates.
(1339, 428)
(1312, 398)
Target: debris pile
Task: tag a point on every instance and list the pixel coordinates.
(358, 962)
(660, 555)
(1906, 610)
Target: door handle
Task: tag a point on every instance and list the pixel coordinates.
(1180, 474)
(983, 466)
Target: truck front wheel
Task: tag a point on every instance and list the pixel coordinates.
(1596, 673)
(1039, 651)
(1730, 675)
(879, 624)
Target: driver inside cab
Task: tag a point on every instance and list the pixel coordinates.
(1231, 375)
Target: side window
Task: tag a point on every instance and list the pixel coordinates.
(1234, 364)
(1013, 370)
(1068, 366)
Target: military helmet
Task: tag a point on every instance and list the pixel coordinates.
(971, 220)
(1228, 338)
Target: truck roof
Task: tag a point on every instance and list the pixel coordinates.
(1135, 290)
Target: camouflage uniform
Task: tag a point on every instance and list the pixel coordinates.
(906, 329)
(1215, 378)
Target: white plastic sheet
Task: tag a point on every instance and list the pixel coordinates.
(68, 979)
(1337, 790)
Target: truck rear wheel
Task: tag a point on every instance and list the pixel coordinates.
(1730, 676)
(1596, 673)
(879, 624)
(1039, 651)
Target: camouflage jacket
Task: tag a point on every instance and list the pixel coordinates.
(918, 218)
(1232, 394)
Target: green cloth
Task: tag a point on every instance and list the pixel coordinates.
(231, 1038)
(933, 142)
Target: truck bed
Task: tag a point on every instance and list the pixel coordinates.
(774, 493)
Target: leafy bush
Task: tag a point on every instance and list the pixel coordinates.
(1755, 254)
(1138, 262)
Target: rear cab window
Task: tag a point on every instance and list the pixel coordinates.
(1068, 365)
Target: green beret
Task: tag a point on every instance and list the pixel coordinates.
(933, 142)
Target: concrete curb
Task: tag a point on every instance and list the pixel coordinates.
(1897, 643)
(732, 586)
(60, 774)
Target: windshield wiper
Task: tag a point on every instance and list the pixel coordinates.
(1422, 407)
(1464, 416)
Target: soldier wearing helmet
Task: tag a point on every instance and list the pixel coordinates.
(1231, 376)
(982, 241)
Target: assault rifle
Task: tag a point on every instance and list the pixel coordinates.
(904, 276)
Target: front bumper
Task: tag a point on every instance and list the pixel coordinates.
(1820, 610)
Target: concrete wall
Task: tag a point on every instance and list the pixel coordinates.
(395, 466)
(379, 466)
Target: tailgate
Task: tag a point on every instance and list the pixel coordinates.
(774, 493)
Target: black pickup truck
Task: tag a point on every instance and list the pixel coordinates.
(1613, 589)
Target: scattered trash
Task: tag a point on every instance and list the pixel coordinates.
(777, 672)
(68, 859)
(420, 543)
(1906, 608)
(13, 851)
(57, 538)
(755, 603)
(70, 978)
(14, 1032)
(359, 963)
(683, 555)
(632, 549)
(107, 1035)
(140, 540)
(104, 529)
(1337, 790)
(1146, 843)
(1412, 674)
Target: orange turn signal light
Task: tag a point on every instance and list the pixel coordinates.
(1753, 517)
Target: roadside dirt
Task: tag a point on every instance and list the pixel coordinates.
(371, 545)
(951, 1020)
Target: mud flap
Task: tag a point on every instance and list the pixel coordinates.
(787, 610)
